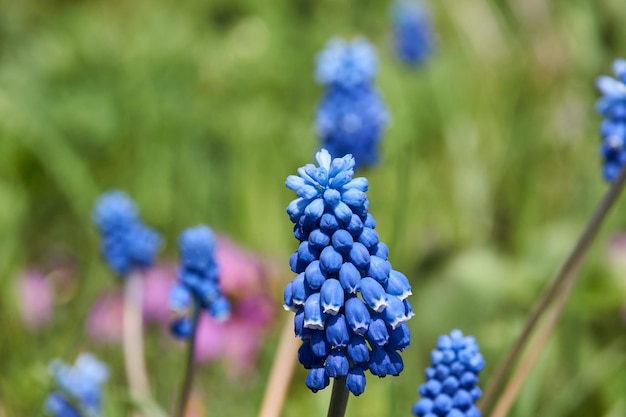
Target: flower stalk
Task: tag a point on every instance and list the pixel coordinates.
(509, 393)
(185, 391)
(281, 373)
(339, 398)
(566, 275)
(133, 338)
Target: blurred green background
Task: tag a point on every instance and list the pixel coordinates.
(200, 109)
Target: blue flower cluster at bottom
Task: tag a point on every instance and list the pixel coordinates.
(451, 388)
(78, 387)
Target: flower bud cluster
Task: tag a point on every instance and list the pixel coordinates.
(350, 305)
(451, 388)
(126, 242)
(412, 32)
(78, 388)
(351, 116)
(198, 280)
(612, 106)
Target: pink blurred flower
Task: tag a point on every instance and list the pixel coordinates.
(36, 299)
(244, 279)
(104, 322)
(241, 272)
(616, 250)
(157, 284)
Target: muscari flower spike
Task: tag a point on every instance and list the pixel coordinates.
(198, 280)
(77, 388)
(612, 105)
(350, 306)
(351, 117)
(451, 388)
(126, 242)
(413, 38)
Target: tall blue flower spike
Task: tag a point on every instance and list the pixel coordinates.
(351, 307)
(77, 388)
(451, 388)
(126, 242)
(413, 38)
(351, 116)
(612, 105)
(198, 280)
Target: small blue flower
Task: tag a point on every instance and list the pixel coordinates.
(198, 280)
(77, 388)
(346, 64)
(413, 38)
(350, 306)
(126, 242)
(612, 105)
(451, 387)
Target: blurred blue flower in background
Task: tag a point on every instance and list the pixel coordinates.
(351, 116)
(352, 121)
(351, 307)
(451, 388)
(612, 105)
(346, 64)
(77, 388)
(198, 280)
(413, 38)
(126, 242)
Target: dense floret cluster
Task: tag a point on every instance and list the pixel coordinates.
(351, 116)
(198, 280)
(612, 106)
(451, 388)
(77, 389)
(126, 242)
(351, 306)
(413, 38)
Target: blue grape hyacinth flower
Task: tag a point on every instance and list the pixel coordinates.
(350, 306)
(351, 117)
(198, 280)
(77, 388)
(352, 121)
(126, 242)
(612, 105)
(413, 37)
(451, 388)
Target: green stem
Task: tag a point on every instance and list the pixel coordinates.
(132, 341)
(190, 364)
(564, 275)
(339, 398)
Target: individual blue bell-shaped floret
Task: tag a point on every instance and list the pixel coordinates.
(450, 389)
(612, 105)
(413, 37)
(350, 306)
(126, 242)
(77, 388)
(346, 64)
(352, 121)
(198, 281)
